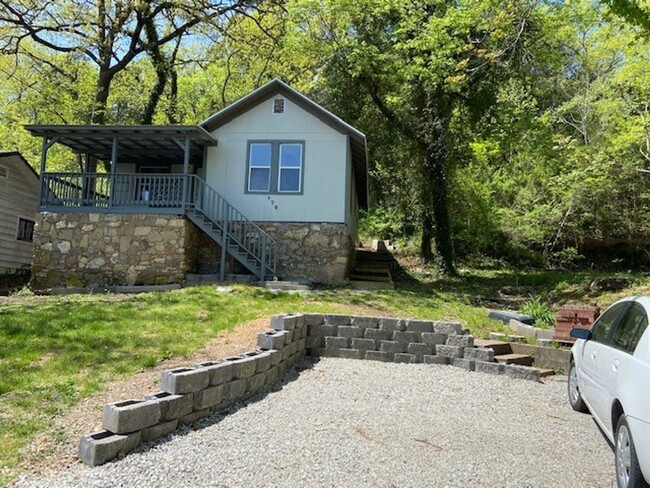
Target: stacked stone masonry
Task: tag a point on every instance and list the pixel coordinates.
(191, 393)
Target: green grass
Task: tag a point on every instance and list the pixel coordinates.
(55, 351)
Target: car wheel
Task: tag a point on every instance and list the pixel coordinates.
(628, 472)
(575, 398)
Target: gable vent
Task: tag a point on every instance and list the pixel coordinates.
(4, 172)
(278, 105)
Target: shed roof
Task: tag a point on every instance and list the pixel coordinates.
(146, 143)
(278, 87)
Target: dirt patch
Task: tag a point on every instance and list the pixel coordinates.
(56, 449)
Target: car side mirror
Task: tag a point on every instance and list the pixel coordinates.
(578, 333)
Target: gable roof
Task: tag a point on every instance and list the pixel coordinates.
(16, 154)
(278, 87)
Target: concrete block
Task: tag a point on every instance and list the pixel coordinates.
(419, 325)
(159, 430)
(130, 415)
(194, 416)
(296, 334)
(460, 340)
(391, 324)
(262, 362)
(351, 353)
(256, 382)
(271, 339)
(333, 319)
(276, 357)
(330, 330)
(419, 348)
(172, 407)
(522, 372)
(406, 336)
(302, 345)
(329, 352)
(220, 371)
(234, 389)
(392, 346)
(387, 357)
(449, 351)
(300, 320)
(365, 322)
(449, 328)
(350, 331)
(336, 342)
(271, 376)
(184, 380)
(313, 342)
(303, 331)
(209, 397)
(497, 336)
(435, 359)
(377, 334)
(286, 353)
(490, 368)
(288, 337)
(292, 348)
(467, 364)
(401, 357)
(479, 354)
(433, 338)
(516, 338)
(312, 319)
(243, 365)
(283, 322)
(100, 447)
(364, 344)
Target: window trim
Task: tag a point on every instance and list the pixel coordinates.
(275, 167)
(33, 222)
(251, 167)
(299, 168)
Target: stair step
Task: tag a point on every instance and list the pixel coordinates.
(499, 347)
(544, 373)
(286, 285)
(369, 277)
(371, 285)
(521, 359)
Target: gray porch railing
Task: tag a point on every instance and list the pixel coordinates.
(104, 191)
(241, 235)
(163, 193)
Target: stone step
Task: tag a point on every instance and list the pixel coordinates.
(545, 373)
(370, 277)
(499, 347)
(201, 278)
(521, 359)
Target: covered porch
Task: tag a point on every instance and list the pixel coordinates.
(149, 169)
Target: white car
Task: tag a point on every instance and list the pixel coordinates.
(609, 376)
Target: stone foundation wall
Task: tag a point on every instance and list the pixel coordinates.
(204, 254)
(320, 253)
(92, 249)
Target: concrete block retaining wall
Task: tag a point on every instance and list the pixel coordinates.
(191, 393)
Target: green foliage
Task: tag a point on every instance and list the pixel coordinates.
(384, 223)
(543, 314)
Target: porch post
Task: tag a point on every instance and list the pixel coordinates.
(186, 169)
(113, 171)
(41, 175)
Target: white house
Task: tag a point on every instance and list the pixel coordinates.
(18, 188)
(271, 184)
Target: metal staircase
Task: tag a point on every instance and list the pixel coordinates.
(228, 227)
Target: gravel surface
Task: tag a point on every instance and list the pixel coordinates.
(347, 423)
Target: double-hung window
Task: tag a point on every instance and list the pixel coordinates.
(275, 167)
(259, 167)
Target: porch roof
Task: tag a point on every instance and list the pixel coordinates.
(142, 143)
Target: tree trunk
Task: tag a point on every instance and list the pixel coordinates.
(442, 228)
(427, 235)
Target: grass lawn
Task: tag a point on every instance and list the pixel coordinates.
(55, 351)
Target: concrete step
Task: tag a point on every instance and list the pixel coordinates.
(499, 347)
(545, 373)
(286, 285)
(370, 277)
(371, 285)
(520, 359)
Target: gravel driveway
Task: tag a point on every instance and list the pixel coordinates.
(350, 423)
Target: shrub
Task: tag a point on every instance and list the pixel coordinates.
(542, 313)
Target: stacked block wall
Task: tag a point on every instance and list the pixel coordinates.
(191, 393)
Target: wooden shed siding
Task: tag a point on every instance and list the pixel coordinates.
(18, 195)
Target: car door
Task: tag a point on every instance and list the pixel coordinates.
(590, 364)
(615, 359)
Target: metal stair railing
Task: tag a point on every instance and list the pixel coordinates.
(255, 248)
